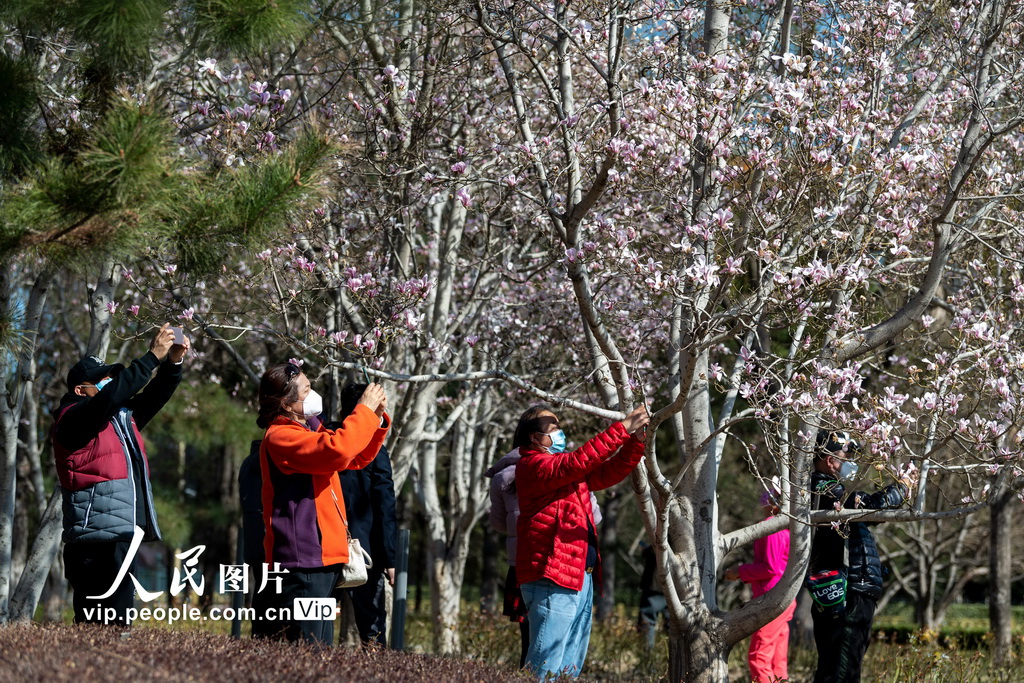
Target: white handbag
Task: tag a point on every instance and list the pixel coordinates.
(353, 573)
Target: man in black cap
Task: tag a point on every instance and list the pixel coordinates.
(103, 470)
(842, 634)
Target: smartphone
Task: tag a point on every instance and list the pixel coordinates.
(179, 336)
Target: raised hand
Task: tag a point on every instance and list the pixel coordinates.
(637, 419)
(374, 398)
(162, 342)
(179, 351)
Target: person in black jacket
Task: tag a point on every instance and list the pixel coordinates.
(370, 501)
(103, 471)
(843, 638)
(250, 495)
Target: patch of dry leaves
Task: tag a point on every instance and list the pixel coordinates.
(58, 652)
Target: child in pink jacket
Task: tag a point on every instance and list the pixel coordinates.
(769, 646)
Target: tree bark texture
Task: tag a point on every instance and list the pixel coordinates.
(695, 655)
(1001, 553)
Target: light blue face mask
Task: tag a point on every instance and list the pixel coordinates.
(102, 383)
(557, 441)
(848, 470)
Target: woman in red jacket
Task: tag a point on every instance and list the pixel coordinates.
(303, 508)
(557, 550)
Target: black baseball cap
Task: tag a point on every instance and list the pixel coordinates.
(830, 443)
(90, 369)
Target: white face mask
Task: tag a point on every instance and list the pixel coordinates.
(312, 405)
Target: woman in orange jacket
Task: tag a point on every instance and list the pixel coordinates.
(303, 508)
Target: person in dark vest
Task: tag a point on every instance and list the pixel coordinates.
(372, 518)
(103, 470)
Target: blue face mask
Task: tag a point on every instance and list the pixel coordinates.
(848, 470)
(557, 441)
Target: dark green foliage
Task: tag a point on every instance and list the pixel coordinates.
(114, 37)
(34, 16)
(103, 182)
(109, 196)
(205, 417)
(130, 156)
(249, 26)
(241, 209)
(119, 31)
(175, 524)
(18, 143)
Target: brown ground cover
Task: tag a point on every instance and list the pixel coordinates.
(57, 652)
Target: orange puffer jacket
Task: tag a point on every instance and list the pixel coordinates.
(554, 504)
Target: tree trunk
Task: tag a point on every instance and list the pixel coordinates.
(605, 602)
(694, 656)
(55, 590)
(1001, 553)
(923, 613)
(8, 453)
(445, 594)
(489, 573)
(40, 559)
(19, 536)
(100, 317)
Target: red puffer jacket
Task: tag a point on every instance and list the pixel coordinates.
(554, 503)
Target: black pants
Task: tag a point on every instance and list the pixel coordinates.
(262, 625)
(305, 583)
(842, 641)
(370, 608)
(91, 568)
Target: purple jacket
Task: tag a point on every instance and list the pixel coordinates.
(504, 505)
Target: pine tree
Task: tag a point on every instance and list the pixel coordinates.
(92, 174)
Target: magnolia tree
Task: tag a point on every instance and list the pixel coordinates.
(794, 217)
(766, 218)
(396, 276)
(932, 560)
(770, 218)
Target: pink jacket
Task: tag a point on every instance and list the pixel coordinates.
(771, 554)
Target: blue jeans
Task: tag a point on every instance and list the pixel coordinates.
(559, 626)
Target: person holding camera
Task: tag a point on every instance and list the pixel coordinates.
(103, 471)
(303, 505)
(557, 560)
(842, 633)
